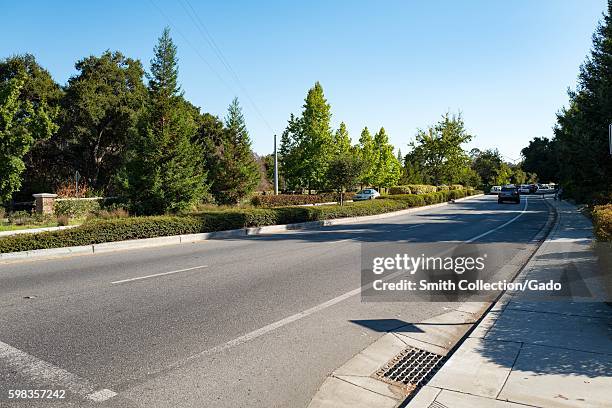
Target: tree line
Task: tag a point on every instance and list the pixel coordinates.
(132, 133)
(124, 136)
(578, 155)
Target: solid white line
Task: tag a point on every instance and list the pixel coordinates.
(159, 274)
(42, 373)
(283, 322)
(501, 226)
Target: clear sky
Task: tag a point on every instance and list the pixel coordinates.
(399, 64)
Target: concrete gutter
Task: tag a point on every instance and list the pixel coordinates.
(192, 238)
(356, 385)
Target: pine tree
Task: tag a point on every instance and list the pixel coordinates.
(307, 142)
(367, 156)
(165, 173)
(341, 141)
(233, 171)
(581, 133)
(317, 137)
(387, 169)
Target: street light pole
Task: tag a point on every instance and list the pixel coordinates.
(275, 168)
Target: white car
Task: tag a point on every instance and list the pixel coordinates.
(495, 190)
(367, 194)
(524, 189)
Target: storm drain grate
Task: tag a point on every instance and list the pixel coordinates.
(412, 368)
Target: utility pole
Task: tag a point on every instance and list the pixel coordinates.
(275, 168)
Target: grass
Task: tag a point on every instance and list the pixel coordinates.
(9, 227)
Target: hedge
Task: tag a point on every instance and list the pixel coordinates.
(413, 189)
(283, 200)
(602, 221)
(120, 229)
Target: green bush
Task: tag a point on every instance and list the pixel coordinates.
(413, 189)
(283, 200)
(75, 207)
(120, 229)
(602, 221)
(443, 188)
(20, 218)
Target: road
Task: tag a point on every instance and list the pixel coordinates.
(250, 322)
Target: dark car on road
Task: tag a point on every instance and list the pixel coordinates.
(509, 193)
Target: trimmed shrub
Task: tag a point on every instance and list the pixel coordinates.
(413, 189)
(120, 229)
(602, 221)
(283, 200)
(455, 187)
(443, 188)
(74, 207)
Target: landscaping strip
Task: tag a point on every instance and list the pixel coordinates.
(194, 227)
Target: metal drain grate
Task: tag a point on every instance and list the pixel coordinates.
(412, 368)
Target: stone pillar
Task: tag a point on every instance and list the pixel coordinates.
(44, 202)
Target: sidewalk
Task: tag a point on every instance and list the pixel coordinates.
(538, 352)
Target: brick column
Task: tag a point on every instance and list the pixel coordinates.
(44, 202)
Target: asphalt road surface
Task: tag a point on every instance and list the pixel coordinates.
(249, 322)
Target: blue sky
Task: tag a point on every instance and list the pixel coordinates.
(397, 64)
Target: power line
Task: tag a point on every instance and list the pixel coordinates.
(217, 50)
(174, 27)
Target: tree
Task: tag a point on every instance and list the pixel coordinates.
(306, 144)
(343, 173)
(503, 175)
(291, 154)
(518, 175)
(165, 172)
(387, 169)
(232, 169)
(101, 109)
(580, 141)
(28, 113)
(367, 155)
(540, 157)
(438, 154)
(341, 143)
(486, 164)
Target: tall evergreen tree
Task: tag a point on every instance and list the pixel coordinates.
(306, 145)
(233, 171)
(341, 143)
(581, 133)
(387, 169)
(165, 173)
(367, 155)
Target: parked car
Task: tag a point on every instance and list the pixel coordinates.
(533, 188)
(509, 193)
(495, 190)
(524, 189)
(367, 194)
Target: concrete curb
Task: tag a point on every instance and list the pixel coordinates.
(442, 334)
(193, 238)
(34, 230)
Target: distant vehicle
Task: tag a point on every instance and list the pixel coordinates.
(509, 193)
(533, 188)
(495, 190)
(367, 194)
(524, 189)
